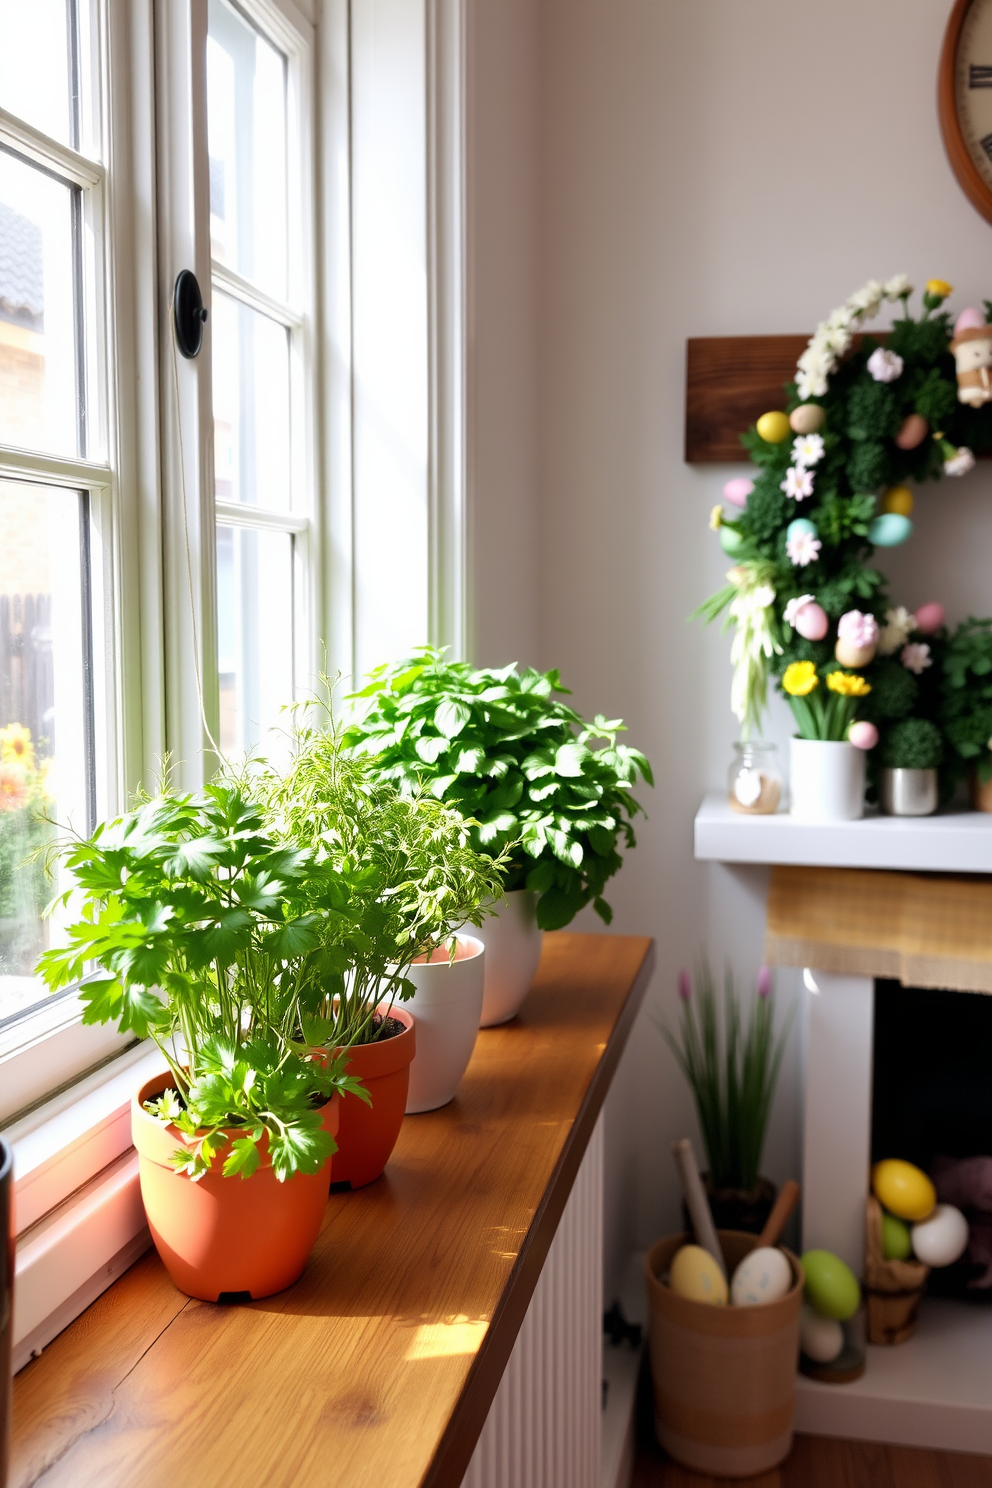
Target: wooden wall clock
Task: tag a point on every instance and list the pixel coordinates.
(964, 99)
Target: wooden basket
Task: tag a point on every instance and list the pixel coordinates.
(892, 1288)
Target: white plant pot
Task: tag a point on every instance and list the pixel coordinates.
(446, 1008)
(827, 780)
(513, 949)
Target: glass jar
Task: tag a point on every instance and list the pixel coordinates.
(754, 781)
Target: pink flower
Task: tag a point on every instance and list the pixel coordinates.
(860, 630)
(792, 609)
(916, 657)
(764, 981)
(685, 986)
(885, 366)
(863, 735)
(798, 483)
(803, 548)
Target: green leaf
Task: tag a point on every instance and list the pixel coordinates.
(244, 1158)
(451, 717)
(430, 747)
(540, 878)
(570, 758)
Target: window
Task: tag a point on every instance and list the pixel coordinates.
(57, 732)
(261, 378)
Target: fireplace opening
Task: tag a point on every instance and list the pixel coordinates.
(932, 1105)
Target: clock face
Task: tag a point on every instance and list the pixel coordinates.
(973, 86)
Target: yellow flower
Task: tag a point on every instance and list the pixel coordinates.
(13, 786)
(939, 288)
(800, 678)
(848, 684)
(716, 519)
(15, 745)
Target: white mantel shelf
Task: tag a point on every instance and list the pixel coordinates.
(950, 842)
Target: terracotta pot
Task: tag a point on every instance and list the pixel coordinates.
(724, 1377)
(367, 1134)
(446, 1008)
(225, 1235)
(513, 949)
(981, 795)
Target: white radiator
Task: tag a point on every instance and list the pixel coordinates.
(543, 1429)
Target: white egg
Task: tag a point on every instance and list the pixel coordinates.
(821, 1338)
(941, 1239)
(763, 1276)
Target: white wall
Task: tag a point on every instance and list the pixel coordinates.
(739, 166)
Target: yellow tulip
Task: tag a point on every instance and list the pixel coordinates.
(848, 684)
(939, 288)
(800, 679)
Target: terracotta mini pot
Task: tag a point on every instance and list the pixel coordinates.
(367, 1134)
(446, 1007)
(225, 1235)
(724, 1377)
(513, 944)
(981, 794)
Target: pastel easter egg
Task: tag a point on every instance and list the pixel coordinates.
(898, 499)
(763, 1276)
(730, 540)
(820, 1338)
(812, 623)
(903, 1189)
(694, 1274)
(889, 530)
(773, 427)
(808, 418)
(929, 617)
(943, 1238)
(897, 1242)
(737, 491)
(831, 1287)
(862, 734)
(801, 524)
(969, 320)
(912, 432)
(850, 655)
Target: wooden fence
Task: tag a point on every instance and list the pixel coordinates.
(27, 688)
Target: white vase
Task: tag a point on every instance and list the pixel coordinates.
(513, 949)
(827, 780)
(446, 1009)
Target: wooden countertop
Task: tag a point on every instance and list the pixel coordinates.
(379, 1366)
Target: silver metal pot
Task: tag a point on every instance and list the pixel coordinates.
(909, 792)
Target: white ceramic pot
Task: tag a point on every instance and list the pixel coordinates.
(827, 780)
(446, 1009)
(513, 949)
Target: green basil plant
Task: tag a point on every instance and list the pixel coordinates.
(526, 772)
(203, 924)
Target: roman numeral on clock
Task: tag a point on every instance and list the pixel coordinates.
(979, 77)
(986, 145)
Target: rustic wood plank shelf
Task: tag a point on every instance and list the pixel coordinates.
(380, 1365)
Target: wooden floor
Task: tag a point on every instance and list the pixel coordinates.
(822, 1462)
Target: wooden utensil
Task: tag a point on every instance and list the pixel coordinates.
(782, 1208)
(696, 1201)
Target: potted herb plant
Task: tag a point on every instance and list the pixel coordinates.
(532, 779)
(200, 923)
(965, 708)
(910, 755)
(413, 878)
(827, 756)
(732, 1066)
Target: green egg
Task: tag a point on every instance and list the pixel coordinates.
(831, 1287)
(730, 540)
(897, 1242)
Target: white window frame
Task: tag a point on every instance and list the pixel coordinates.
(77, 1206)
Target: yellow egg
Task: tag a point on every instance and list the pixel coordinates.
(902, 1189)
(774, 427)
(695, 1274)
(898, 499)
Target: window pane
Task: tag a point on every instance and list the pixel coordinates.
(45, 713)
(246, 123)
(39, 407)
(254, 632)
(251, 406)
(36, 66)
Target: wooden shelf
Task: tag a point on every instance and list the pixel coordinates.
(379, 1366)
(950, 842)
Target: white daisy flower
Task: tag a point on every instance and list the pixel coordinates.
(960, 463)
(898, 287)
(808, 450)
(899, 626)
(798, 483)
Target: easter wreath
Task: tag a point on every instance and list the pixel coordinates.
(863, 417)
